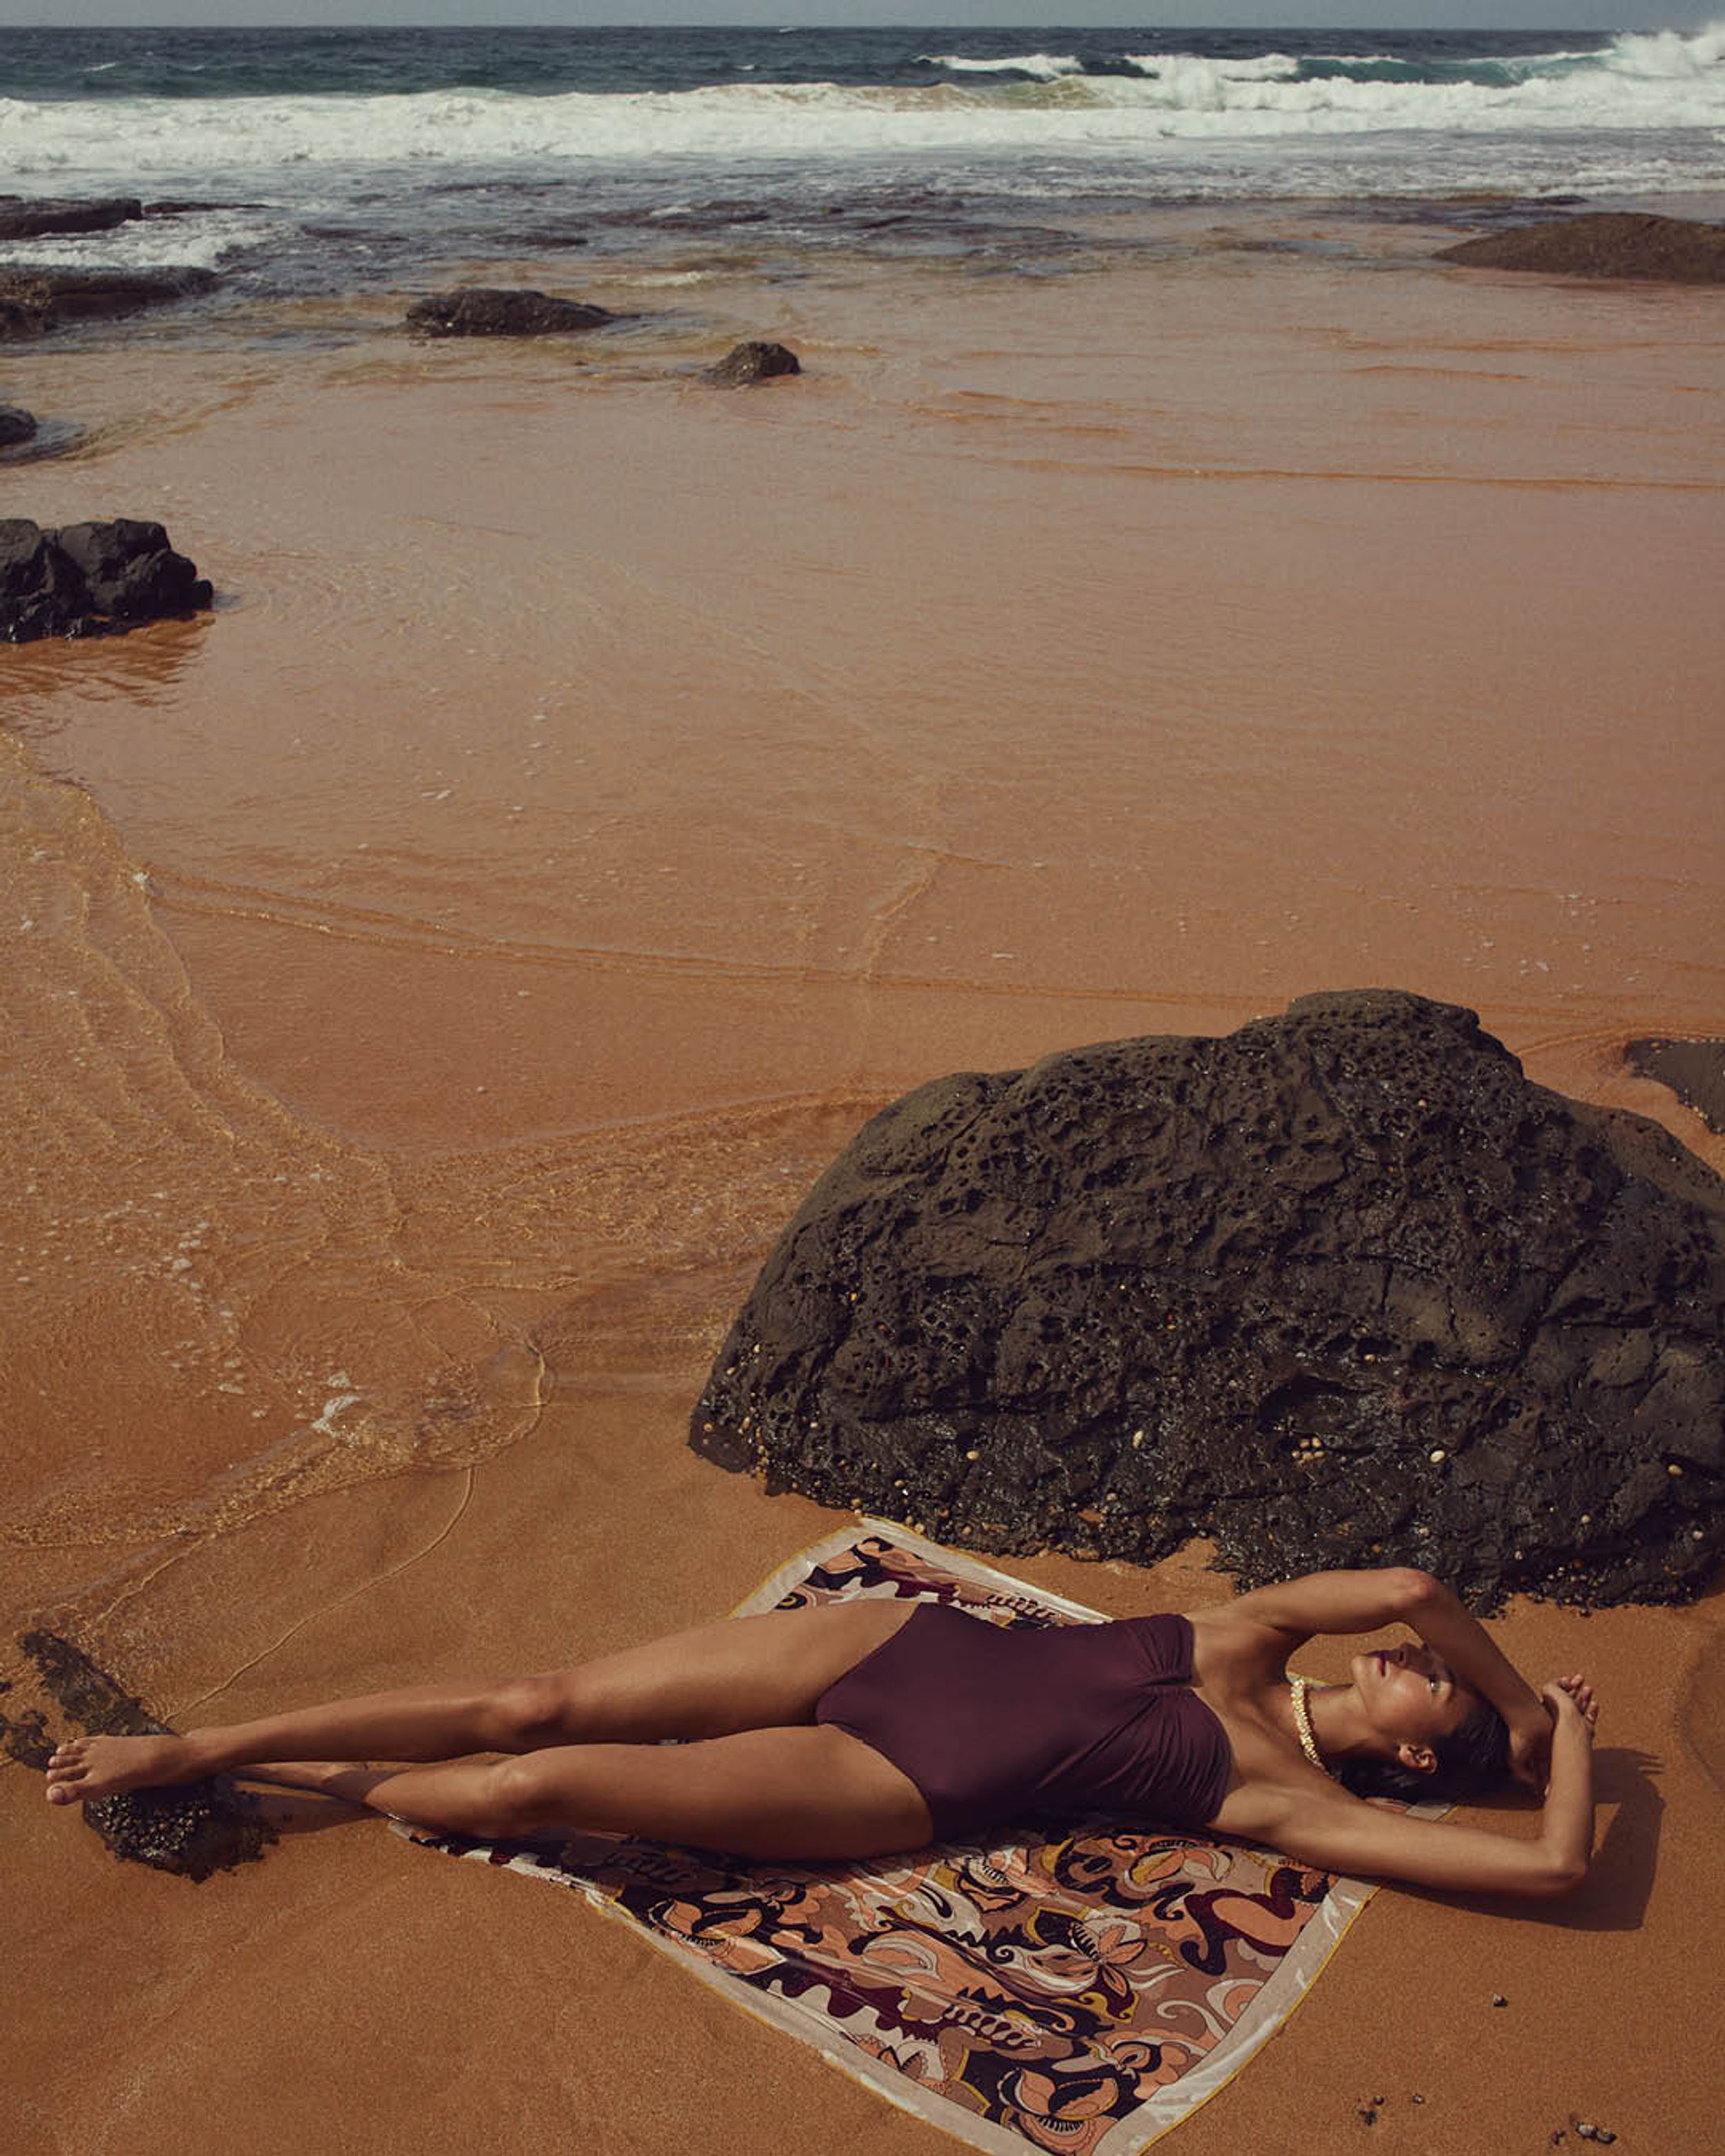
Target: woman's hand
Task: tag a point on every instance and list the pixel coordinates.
(1530, 1736)
(1574, 1693)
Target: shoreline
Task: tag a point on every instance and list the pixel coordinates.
(396, 881)
(646, 258)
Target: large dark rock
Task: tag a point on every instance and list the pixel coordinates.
(34, 301)
(16, 425)
(753, 361)
(1604, 243)
(91, 579)
(1341, 1288)
(476, 310)
(22, 217)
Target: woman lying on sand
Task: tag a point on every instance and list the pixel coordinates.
(865, 1728)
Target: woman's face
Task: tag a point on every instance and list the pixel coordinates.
(1411, 1695)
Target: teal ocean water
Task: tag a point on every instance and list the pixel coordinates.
(317, 159)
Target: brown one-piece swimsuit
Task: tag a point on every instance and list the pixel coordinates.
(994, 1724)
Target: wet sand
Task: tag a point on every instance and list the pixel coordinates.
(435, 977)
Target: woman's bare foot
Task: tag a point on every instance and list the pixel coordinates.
(85, 1767)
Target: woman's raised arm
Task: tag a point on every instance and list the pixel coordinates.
(1335, 1601)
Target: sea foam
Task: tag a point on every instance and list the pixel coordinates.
(1186, 97)
(1041, 67)
(1646, 111)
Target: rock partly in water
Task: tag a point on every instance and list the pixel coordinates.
(41, 593)
(1694, 1069)
(91, 579)
(753, 361)
(1605, 243)
(1342, 1288)
(194, 1829)
(23, 217)
(34, 301)
(552, 239)
(476, 310)
(16, 425)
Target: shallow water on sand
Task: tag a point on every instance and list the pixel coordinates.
(434, 976)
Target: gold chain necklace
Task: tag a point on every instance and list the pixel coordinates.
(1298, 1687)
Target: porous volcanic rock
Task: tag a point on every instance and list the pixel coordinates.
(753, 361)
(34, 301)
(91, 579)
(25, 218)
(16, 425)
(1340, 1288)
(1675, 251)
(477, 310)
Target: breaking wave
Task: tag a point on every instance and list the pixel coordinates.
(1641, 112)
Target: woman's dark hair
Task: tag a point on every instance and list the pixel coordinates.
(1471, 1762)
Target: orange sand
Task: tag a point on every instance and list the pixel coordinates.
(442, 970)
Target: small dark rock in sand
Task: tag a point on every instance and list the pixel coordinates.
(1605, 243)
(16, 425)
(24, 1736)
(1694, 1069)
(91, 579)
(753, 361)
(22, 217)
(476, 310)
(195, 1829)
(1341, 1288)
(34, 301)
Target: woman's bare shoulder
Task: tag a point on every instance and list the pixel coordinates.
(1228, 1645)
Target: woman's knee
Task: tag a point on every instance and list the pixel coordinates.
(518, 1798)
(530, 1713)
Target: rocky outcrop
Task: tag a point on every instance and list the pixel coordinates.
(34, 301)
(16, 425)
(477, 310)
(1341, 1288)
(1605, 243)
(753, 361)
(91, 579)
(23, 217)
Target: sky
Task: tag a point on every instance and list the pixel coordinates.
(1383, 14)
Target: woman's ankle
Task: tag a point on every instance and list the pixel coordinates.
(204, 1753)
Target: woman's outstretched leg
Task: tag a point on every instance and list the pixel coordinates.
(799, 1793)
(740, 1674)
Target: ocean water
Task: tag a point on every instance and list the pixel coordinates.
(304, 160)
